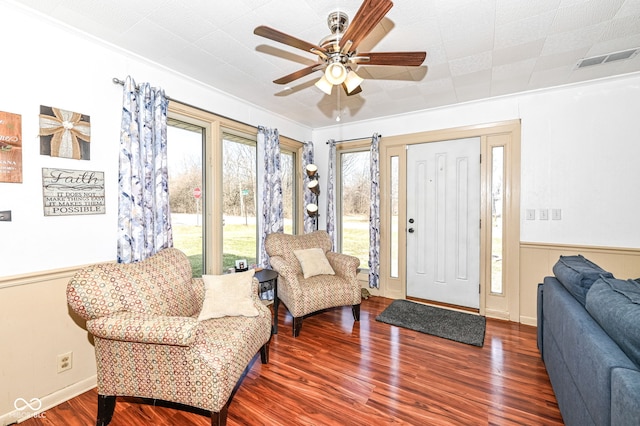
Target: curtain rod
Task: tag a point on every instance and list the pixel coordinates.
(351, 140)
(116, 80)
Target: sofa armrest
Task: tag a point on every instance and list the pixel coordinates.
(343, 265)
(197, 284)
(625, 396)
(290, 276)
(144, 328)
(285, 270)
(540, 319)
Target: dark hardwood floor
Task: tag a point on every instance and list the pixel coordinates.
(338, 372)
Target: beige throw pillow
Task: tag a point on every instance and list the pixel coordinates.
(228, 295)
(313, 262)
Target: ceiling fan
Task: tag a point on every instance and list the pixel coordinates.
(337, 54)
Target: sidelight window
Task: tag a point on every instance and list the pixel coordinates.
(497, 207)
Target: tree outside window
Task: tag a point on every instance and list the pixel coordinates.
(355, 190)
(184, 154)
(240, 227)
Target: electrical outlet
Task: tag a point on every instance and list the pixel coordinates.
(65, 362)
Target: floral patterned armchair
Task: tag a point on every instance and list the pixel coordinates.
(303, 296)
(149, 341)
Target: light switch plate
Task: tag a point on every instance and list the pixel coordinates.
(544, 214)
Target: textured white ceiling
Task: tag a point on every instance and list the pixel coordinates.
(475, 48)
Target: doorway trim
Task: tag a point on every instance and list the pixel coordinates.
(507, 133)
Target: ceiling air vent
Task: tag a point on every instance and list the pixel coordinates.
(605, 59)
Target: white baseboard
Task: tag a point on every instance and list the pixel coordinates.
(529, 321)
(490, 313)
(49, 401)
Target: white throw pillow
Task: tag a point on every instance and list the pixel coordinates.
(313, 262)
(228, 295)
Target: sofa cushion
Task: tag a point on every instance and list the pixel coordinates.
(615, 305)
(228, 295)
(577, 274)
(313, 262)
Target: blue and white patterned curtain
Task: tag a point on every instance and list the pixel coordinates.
(374, 214)
(271, 190)
(144, 218)
(307, 158)
(331, 194)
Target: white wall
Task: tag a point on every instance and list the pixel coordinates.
(580, 154)
(47, 64)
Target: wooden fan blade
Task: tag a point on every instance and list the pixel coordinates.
(354, 92)
(296, 75)
(368, 16)
(407, 59)
(281, 37)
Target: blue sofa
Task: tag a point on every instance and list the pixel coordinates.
(595, 374)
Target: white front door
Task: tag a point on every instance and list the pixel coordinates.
(443, 222)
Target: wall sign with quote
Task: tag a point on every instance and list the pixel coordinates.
(64, 133)
(72, 192)
(10, 147)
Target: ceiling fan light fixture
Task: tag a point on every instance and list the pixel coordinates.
(324, 85)
(352, 81)
(338, 51)
(335, 73)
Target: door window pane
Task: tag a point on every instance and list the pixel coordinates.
(355, 194)
(394, 215)
(497, 191)
(186, 191)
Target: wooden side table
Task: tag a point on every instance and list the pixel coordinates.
(268, 280)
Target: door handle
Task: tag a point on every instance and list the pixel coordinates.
(411, 231)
